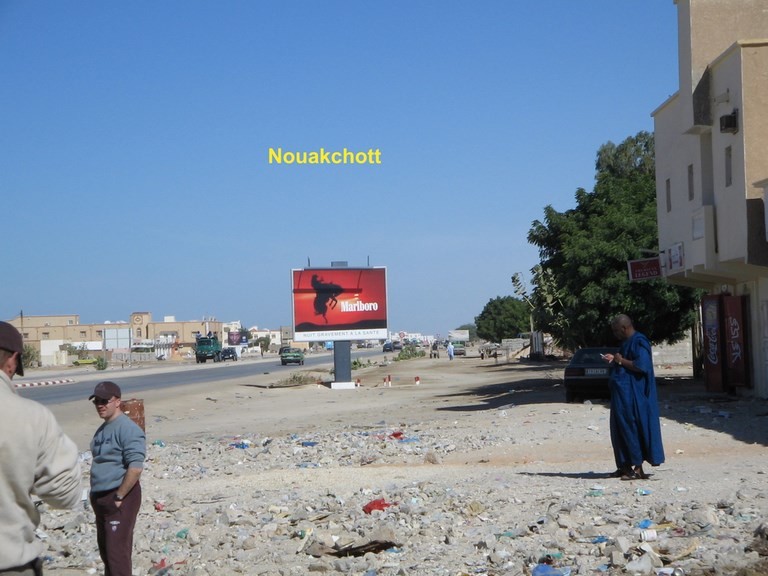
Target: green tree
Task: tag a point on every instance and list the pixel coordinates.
(263, 343)
(503, 317)
(581, 281)
(30, 356)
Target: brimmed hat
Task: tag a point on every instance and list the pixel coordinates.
(105, 390)
(11, 340)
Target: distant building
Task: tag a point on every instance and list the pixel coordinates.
(275, 339)
(170, 337)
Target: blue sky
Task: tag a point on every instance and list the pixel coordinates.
(134, 140)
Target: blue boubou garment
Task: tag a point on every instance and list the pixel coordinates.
(635, 426)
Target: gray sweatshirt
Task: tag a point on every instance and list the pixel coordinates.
(116, 446)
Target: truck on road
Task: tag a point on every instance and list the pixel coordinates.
(207, 347)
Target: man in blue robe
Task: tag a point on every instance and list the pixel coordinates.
(635, 425)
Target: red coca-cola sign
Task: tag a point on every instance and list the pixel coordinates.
(713, 363)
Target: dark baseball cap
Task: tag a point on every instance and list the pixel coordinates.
(105, 390)
(11, 340)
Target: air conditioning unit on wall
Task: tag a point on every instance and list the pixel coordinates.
(729, 124)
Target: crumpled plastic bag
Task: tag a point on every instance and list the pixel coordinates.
(378, 504)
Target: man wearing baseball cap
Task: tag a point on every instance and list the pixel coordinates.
(119, 449)
(38, 459)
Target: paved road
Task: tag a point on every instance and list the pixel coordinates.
(166, 375)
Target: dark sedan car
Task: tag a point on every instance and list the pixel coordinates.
(229, 354)
(587, 374)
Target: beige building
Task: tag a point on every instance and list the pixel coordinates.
(712, 180)
(169, 336)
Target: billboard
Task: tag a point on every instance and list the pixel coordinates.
(458, 335)
(117, 338)
(339, 303)
(237, 338)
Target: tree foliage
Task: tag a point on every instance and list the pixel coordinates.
(503, 317)
(581, 282)
(30, 356)
(263, 343)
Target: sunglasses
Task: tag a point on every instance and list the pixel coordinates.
(101, 401)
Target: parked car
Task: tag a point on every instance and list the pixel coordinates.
(229, 354)
(388, 347)
(85, 361)
(397, 345)
(459, 349)
(292, 356)
(587, 375)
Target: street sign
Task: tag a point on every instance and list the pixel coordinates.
(645, 269)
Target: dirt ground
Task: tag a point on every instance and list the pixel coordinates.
(519, 400)
(493, 422)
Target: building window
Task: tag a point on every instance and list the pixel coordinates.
(82, 334)
(70, 322)
(99, 333)
(138, 332)
(46, 335)
(690, 182)
(668, 185)
(728, 166)
(25, 335)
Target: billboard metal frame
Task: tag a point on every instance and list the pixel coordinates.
(339, 304)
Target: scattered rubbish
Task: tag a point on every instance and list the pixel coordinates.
(408, 439)
(648, 535)
(374, 546)
(199, 483)
(378, 504)
(670, 571)
(549, 570)
(510, 533)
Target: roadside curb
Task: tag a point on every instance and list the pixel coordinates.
(43, 383)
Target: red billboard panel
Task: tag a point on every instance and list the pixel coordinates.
(645, 269)
(339, 304)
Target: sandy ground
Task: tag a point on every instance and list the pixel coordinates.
(522, 402)
(520, 432)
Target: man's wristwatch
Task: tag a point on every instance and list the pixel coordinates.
(118, 497)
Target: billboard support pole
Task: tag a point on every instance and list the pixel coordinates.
(342, 361)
